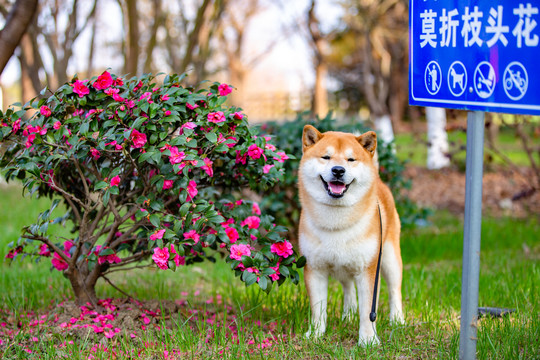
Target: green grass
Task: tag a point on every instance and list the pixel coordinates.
(510, 277)
(413, 148)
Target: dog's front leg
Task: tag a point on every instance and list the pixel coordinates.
(350, 303)
(366, 333)
(317, 287)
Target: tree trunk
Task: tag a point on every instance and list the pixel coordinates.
(320, 94)
(319, 104)
(383, 126)
(83, 283)
(437, 138)
(16, 24)
(30, 82)
(132, 58)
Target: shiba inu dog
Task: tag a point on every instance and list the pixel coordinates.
(348, 216)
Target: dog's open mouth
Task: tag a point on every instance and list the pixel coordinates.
(335, 188)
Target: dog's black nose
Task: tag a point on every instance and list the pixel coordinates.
(338, 171)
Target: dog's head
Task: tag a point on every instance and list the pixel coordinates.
(337, 168)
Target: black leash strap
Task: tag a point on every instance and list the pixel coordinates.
(373, 313)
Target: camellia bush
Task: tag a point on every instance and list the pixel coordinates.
(145, 169)
(282, 202)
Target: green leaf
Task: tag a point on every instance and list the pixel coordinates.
(212, 137)
(184, 209)
(154, 219)
(106, 197)
(284, 270)
(263, 282)
(249, 278)
(106, 251)
(144, 156)
(301, 262)
(247, 261)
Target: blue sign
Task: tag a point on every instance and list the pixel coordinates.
(476, 55)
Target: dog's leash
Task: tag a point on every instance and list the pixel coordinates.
(373, 314)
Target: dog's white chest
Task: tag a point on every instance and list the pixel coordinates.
(342, 253)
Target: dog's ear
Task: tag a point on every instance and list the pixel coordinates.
(368, 141)
(309, 137)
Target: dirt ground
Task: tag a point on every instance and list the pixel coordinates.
(504, 192)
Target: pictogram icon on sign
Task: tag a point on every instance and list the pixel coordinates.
(457, 78)
(484, 79)
(515, 80)
(433, 77)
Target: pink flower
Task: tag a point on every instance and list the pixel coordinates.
(224, 90)
(30, 140)
(115, 144)
(59, 263)
(240, 159)
(176, 156)
(192, 107)
(192, 234)
(95, 153)
(238, 115)
(208, 166)
(252, 222)
(192, 190)
(283, 248)
(165, 97)
(80, 89)
(57, 125)
(237, 251)
(114, 93)
(68, 244)
(275, 277)
(103, 81)
(266, 168)
(146, 96)
(115, 181)
(44, 250)
(254, 151)
(167, 184)
(189, 125)
(232, 234)
(178, 260)
(281, 157)
(138, 138)
(158, 234)
(17, 125)
(161, 258)
(167, 113)
(111, 259)
(45, 111)
(256, 209)
(216, 117)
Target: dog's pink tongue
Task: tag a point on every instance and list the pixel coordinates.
(336, 188)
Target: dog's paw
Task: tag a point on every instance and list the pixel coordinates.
(397, 319)
(368, 341)
(348, 316)
(316, 334)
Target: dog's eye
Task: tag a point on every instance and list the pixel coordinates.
(326, 157)
(351, 159)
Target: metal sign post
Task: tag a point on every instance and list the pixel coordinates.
(477, 55)
(471, 235)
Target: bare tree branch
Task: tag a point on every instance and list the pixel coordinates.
(17, 23)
